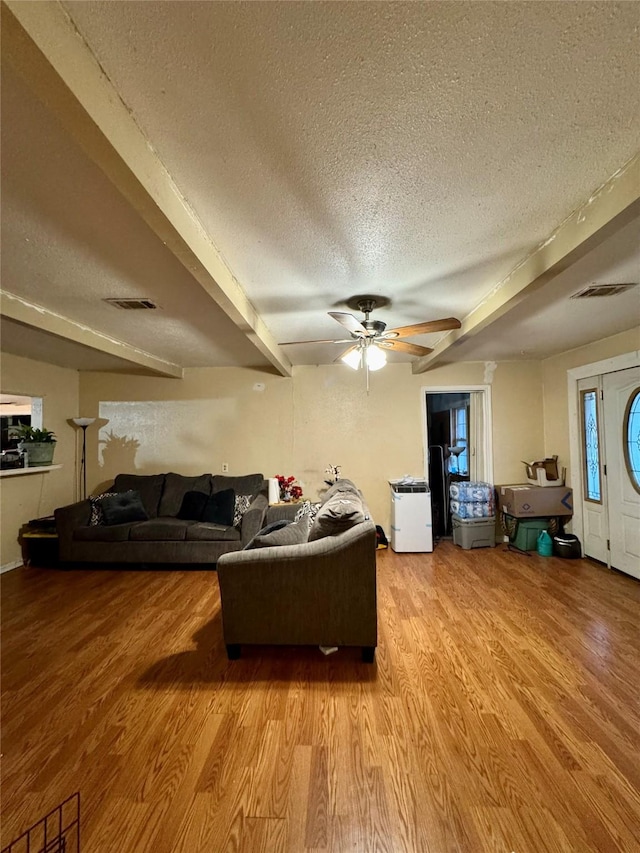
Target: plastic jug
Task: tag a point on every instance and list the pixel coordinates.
(545, 544)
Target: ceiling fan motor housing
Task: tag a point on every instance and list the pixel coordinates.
(374, 327)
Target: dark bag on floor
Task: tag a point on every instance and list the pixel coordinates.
(381, 539)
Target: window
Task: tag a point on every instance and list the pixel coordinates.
(591, 445)
(14, 411)
(631, 438)
(459, 459)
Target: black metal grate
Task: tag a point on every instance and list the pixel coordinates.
(57, 832)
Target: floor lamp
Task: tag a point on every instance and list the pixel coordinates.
(84, 423)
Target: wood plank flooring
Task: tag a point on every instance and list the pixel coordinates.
(502, 713)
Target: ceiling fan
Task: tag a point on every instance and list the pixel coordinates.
(370, 338)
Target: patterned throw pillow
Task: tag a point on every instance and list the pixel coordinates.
(243, 502)
(307, 509)
(97, 516)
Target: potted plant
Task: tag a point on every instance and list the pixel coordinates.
(38, 444)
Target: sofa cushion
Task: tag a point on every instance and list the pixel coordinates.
(250, 484)
(290, 533)
(123, 508)
(175, 488)
(148, 485)
(160, 530)
(341, 512)
(203, 531)
(102, 533)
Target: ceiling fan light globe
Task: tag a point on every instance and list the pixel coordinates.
(352, 358)
(376, 357)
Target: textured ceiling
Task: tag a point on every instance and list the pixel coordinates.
(414, 150)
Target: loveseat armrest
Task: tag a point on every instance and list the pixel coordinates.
(69, 518)
(253, 519)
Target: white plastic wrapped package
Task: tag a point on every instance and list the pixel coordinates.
(472, 509)
(476, 492)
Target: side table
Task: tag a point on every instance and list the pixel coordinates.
(40, 543)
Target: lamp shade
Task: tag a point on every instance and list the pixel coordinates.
(376, 358)
(83, 422)
(352, 358)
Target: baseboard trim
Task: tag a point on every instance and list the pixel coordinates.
(8, 567)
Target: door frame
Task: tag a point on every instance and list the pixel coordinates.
(485, 410)
(597, 368)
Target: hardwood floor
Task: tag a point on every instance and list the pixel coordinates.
(501, 714)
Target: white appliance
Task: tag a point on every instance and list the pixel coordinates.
(411, 524)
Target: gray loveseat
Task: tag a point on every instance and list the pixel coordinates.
(162, 538)
(320, 592)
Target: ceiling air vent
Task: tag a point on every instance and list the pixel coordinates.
(132, 304)
(602, 290)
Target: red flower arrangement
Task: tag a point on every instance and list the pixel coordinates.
(289, 489)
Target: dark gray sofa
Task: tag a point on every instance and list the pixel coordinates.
(320, 592)
(163, 538)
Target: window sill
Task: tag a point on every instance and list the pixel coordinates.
(36, 469)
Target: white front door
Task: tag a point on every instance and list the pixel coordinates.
(622, 453)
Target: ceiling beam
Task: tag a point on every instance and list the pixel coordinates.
(15, 308)
(610, 208)
(45, 48)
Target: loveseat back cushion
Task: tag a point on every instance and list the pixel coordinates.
(250, 484)
(160, 530)
(202, 531)
(341, 512)
(341, 486)
(123, 508)
(176, 487)
(148, 485)
(291, 533)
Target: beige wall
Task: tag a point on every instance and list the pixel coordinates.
(320, 416)
(213, 415)
(34, 495)
(554, 387)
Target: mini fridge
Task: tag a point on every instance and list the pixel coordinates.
(411, 525)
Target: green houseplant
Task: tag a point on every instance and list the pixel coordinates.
(38, 444)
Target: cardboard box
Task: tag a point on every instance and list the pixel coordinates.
(525, 501)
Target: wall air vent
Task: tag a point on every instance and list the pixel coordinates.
(132, 304)
(602, 290)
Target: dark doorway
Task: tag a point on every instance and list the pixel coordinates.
(448, 435)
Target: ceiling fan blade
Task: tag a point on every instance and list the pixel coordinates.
(291, 343)
(403, 346)
(350, 323)
(424, 328)
(346, 352)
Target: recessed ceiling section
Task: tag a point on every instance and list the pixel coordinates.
(550, 321)
(70, 240)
